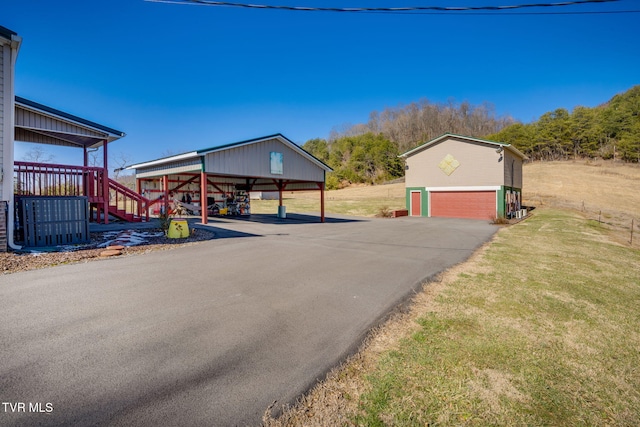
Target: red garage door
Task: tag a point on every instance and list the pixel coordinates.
(464, 204)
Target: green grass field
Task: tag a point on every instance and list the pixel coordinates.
(543, 331)
(540, 328)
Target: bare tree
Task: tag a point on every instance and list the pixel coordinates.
(38, 155)
(120, 161)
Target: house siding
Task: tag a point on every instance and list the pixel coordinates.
(477, 165)
(253, 160)
(4, 52)
(512, 170)
(3, 226)
(28, 119)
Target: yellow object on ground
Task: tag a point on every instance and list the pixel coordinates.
(224, 211)
(178, 229)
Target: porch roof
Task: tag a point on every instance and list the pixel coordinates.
(35, 122)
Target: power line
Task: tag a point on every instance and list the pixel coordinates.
(604, 12)
(414, 9)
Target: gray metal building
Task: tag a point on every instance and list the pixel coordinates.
(208, 176)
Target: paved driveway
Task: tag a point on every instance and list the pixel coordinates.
(213, 333)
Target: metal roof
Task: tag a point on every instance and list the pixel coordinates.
(277, 136)
(7, 33)
(205, 151)
(468, 138)
(165, 160)
(42, 124)
(44, 108)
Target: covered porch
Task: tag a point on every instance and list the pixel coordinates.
(40, 124)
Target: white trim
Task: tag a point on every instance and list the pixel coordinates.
(468, 138)
(469, 188)
(11, 113)
(163, 161)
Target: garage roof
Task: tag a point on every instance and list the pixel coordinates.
(441, 138)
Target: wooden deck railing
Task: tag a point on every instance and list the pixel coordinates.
(41, 179)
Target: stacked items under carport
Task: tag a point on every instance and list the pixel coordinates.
(233, 203)
(221, 201)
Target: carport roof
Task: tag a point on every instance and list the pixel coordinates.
(205, 151)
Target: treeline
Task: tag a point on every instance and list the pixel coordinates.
(368, 153)
(609, 131)
(418, 122)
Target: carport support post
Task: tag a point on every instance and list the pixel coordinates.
(203, 197)
(280, 193)
(165, 188)
(321, 185)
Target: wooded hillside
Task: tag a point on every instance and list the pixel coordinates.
(609, 131)
(367, 153)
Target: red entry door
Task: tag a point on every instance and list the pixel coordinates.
(416, 203)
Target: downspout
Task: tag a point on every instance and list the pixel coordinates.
(15, 47)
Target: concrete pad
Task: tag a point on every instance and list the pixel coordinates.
(213, 333)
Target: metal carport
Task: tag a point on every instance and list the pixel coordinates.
(269, 163)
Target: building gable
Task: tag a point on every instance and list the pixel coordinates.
(455, 162)
(270, 157)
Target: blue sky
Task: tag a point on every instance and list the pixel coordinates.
(177, 78)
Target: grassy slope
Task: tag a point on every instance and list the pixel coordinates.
(542, 333)
(539, 328)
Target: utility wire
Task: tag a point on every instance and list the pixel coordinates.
(604, 12)
(440, 9)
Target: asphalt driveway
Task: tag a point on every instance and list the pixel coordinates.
(210, 334)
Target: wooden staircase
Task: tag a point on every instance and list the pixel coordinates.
(126, 204)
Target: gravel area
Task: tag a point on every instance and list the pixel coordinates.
(12, 262)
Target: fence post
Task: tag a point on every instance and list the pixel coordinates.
(631, 241)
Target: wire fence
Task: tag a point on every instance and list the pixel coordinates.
(624, 225)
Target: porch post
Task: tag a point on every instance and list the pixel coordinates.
(105, 183)
(86, 156)
(203, 197)
(280, 193)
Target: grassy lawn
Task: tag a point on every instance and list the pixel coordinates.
(544, 330)
(540, 328)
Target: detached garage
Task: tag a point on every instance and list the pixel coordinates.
(463, 177)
